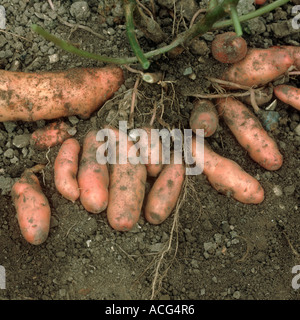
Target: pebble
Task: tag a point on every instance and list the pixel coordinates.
(80, 10)
(289, 190)
(209, 247)
(2, 18)
(187, 71)
(236, 295)
(21, 141)
(225, 226)
(9, 126)
(9, 153)
(60, 254)
(277, 191)
(53, 58)
(297, 130)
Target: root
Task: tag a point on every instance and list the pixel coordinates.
(133, 103)
(158, 278)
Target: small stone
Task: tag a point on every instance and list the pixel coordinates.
(111, 31)
(9, 126)
(225, 226)
(73, 119)
(236, 295)
(209, 247)
(54, 58)
(187, 71)
(2, 18)
(62, 292)
(277, 191)
(297, 130)
(21, 141)
(218, 238)
(199, 47)
(60, 254)
(80, 10)
(289, 190)
(9, 153)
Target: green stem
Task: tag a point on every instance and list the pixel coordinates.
(197, 30)
(251, 15)
(236, 21)
(70, 48)
(129, 6)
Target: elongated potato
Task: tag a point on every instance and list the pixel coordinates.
(51, 135)
(153, 153)
(228, 178)
(93, 177)
(164, 193)
(33, 209)
(250, 134)
(259, 67)
(126, 188)
(204, 116)
(66, 168)
(288, 94)
(50, 95)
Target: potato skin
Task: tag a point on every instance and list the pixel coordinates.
(66, 168)
(126, 190)
(228, 48)
(295, 53)
(51, 135)
(164, 193)
(153, 169)
(288, 94)
(93, 178)
(259, 67)
(50, 95)
(228, 178)
(250, 134)
(204, 116)
(33, 209)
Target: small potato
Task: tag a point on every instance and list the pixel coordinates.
(126, 188)
(228, 178)
(228, 48)
(51, 135)
(204, 116)
(66, 168)
(164, 193)
(93, 177)
(259, 67)
(288, 94)
(33, 209)
(249, 133)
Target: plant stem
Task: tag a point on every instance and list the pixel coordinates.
(129, 6)
(70, 48)
(251, 15)
(236, 21)
(196, 30)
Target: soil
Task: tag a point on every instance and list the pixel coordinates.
(212, 247)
